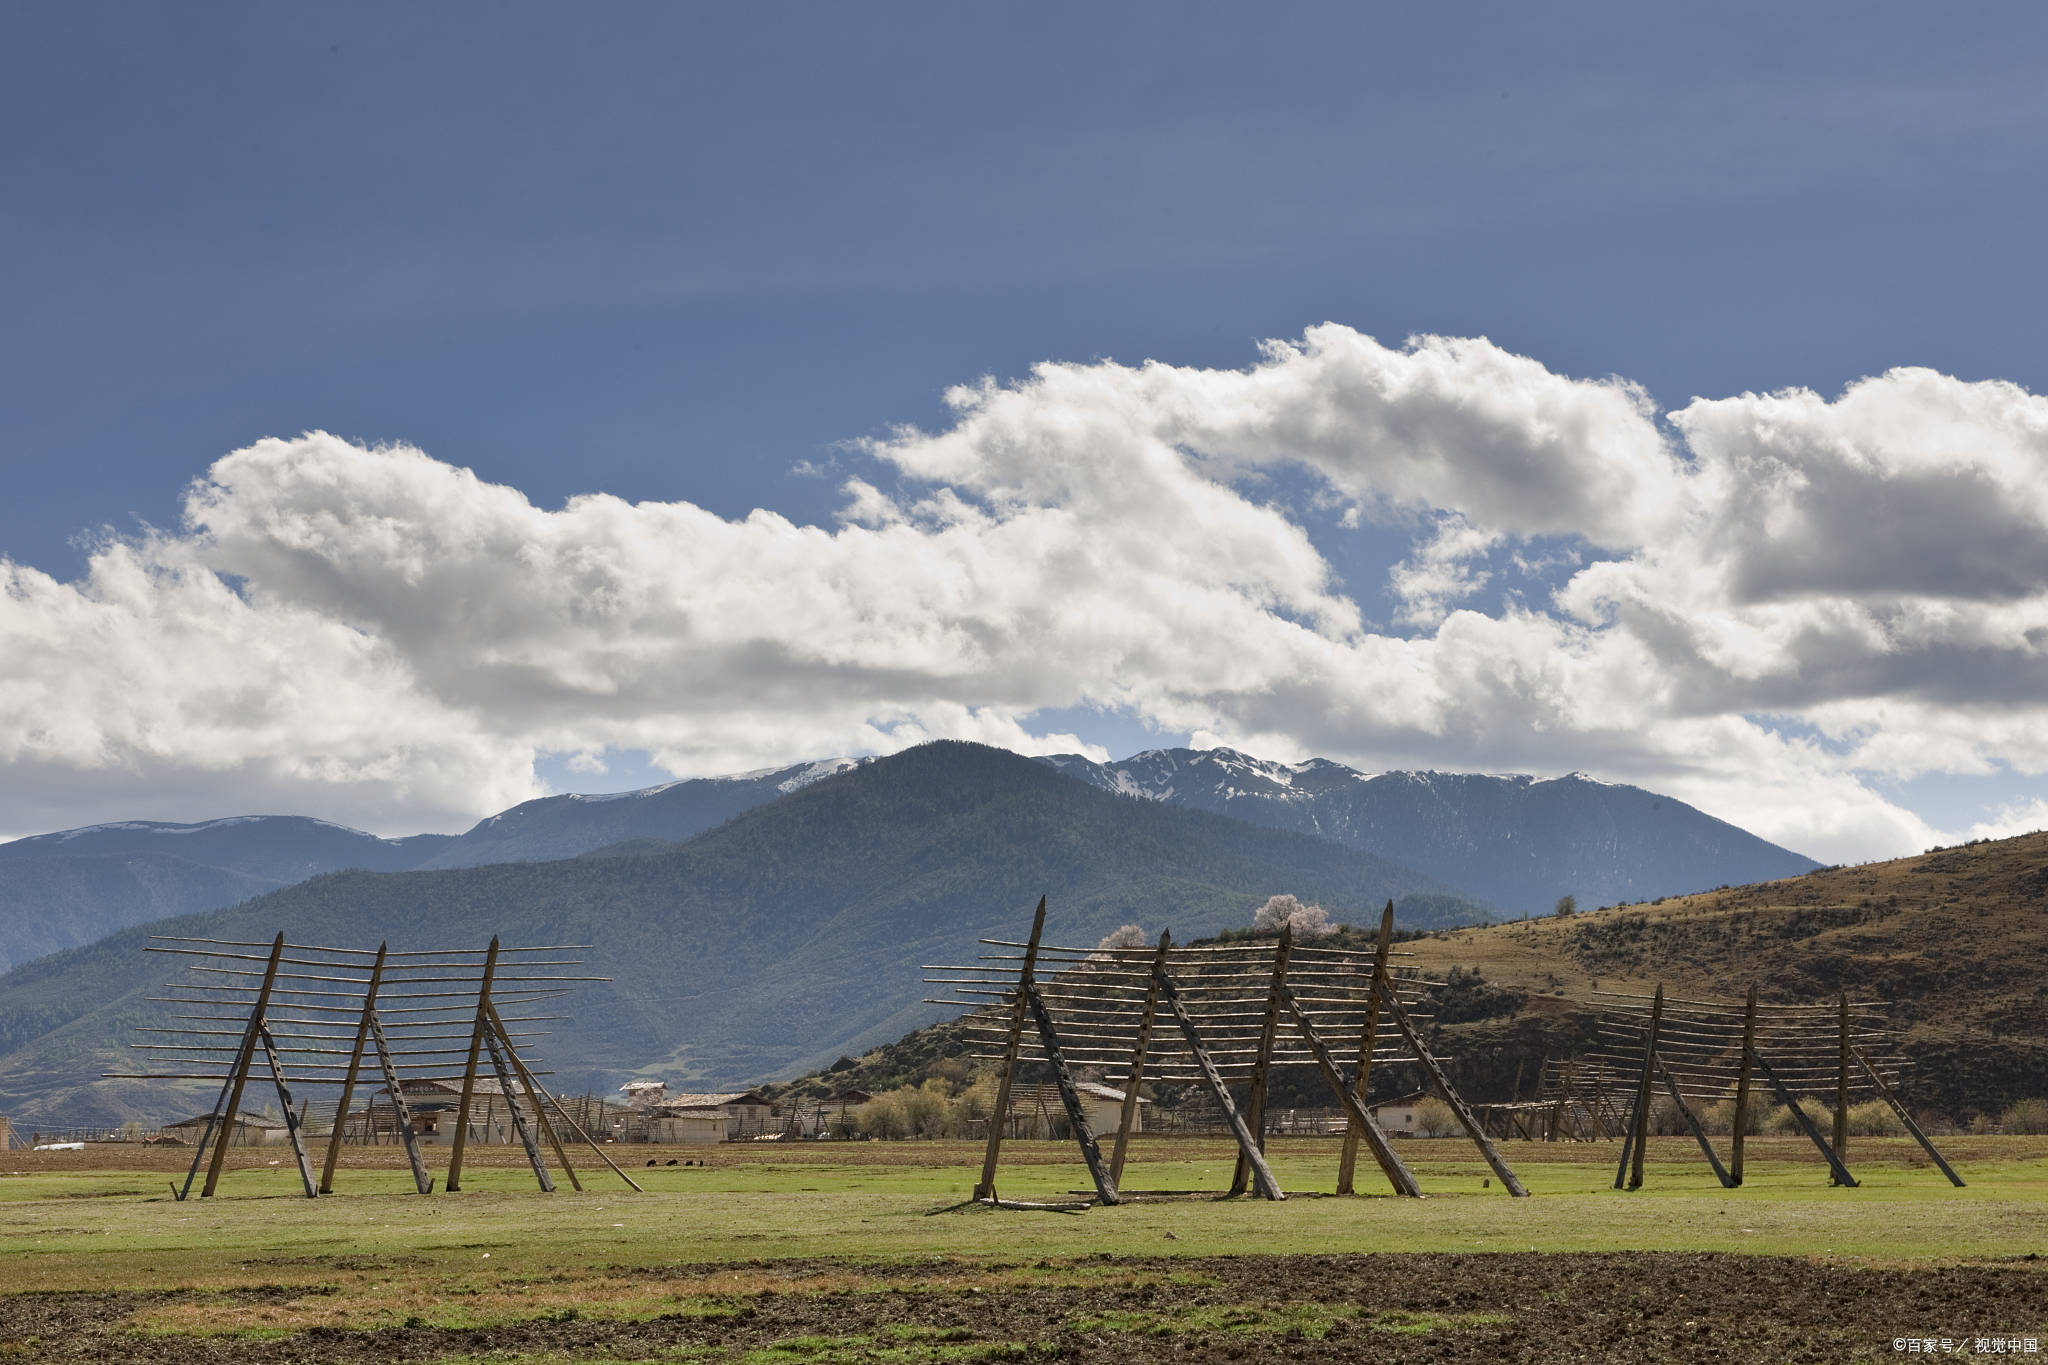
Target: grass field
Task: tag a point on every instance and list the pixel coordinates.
(452, 1275)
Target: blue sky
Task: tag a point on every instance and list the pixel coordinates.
(699, 253)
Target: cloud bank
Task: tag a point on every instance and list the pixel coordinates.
(1760, 604)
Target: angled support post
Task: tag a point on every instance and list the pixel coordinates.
(1397, 1173)
(1262, 1175)
(509, 1087)
(223, 1127)
(401, 1111)
(1839, 1173)
(1742, 1095)
(284, 1103)
(533, 1093)
(1347, 1164)
(1449, 1091)
(476, 1042)
(1070, 1098)
(1892, 1099)
(1628, 1140)
(1699, 1133)
(1262, 1066)
(985, 1188)
(536, 1089)
(1136, 1073)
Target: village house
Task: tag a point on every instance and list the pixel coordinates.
(656, 1115)
(248, 1130)
(1400, 1117)
(1037, 1111)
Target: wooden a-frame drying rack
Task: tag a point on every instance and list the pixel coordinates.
(305, 1000)
(1103, 1005)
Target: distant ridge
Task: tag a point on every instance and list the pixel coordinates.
(1519, 842)
(766, 946)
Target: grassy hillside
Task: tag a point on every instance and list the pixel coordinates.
(1953, 940)
(770, 945)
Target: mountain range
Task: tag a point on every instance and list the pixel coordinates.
(1517, 842)
(784, 937)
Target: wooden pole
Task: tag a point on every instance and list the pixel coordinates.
(1397, 1172)
(1347, 1164)
(1842, 1085)
(476, 1043)
(1262, 1175)
(534, 1087)
(510, 1089)
(1136, 1073)
(401, 1112)
(1742, 1096)
(985, 1188)
(1840, 1173)
(1077, 1117)
(291, 1120)
(1269, 1035)
(1642, 1132)
(533, 1092)
(1692, 1122)
(1892, 1099)
(348, 1081)
(241, 1072)
(1628, 1141)
(1451, 1095)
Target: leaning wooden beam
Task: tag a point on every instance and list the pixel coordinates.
(1262, 1064)
(226, 1129)
(1450, 1093)
(1262, 1175)
(1742, 1086)
(1077, 1117)
(401, 1111)
(534, 1087)
(1840, 1173)
(1699, 1133)
(985, 1188)
(1891, 1098)
(348, 1081)
(213, 1116)
(476, 1042)
(1347, 1164)
(533, 1093)
(1135, 1075)
(519, 1124)
(291, 1120)
(1628, 1141)
(1397, 1172)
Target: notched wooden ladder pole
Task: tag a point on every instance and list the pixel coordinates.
(509, 1088)
(222, 1127)
(1262, 1175)
(1347, 1164)
(1262, 1066)
(1397, 1173)
(1077, 1117)
(1692, 1122)
(1135, 1075)
(985, 1188)
(536, 1089)
(1840, 1172)
(1631, 1169)
(284, 1102)
(1450, 1093)
(1891, 1098)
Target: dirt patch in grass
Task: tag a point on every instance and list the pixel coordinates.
(1481, 1307)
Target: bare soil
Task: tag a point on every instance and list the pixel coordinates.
(1479, 1308)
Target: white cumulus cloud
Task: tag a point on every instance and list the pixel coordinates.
(1762, 601)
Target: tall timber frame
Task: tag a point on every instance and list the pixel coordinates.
(1716, 1047)
(1238, 1011)
(328, 1008)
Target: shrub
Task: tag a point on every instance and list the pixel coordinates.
(1567, 906)
(2025, 1116)
(1435, 1118)
(884, 1116)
